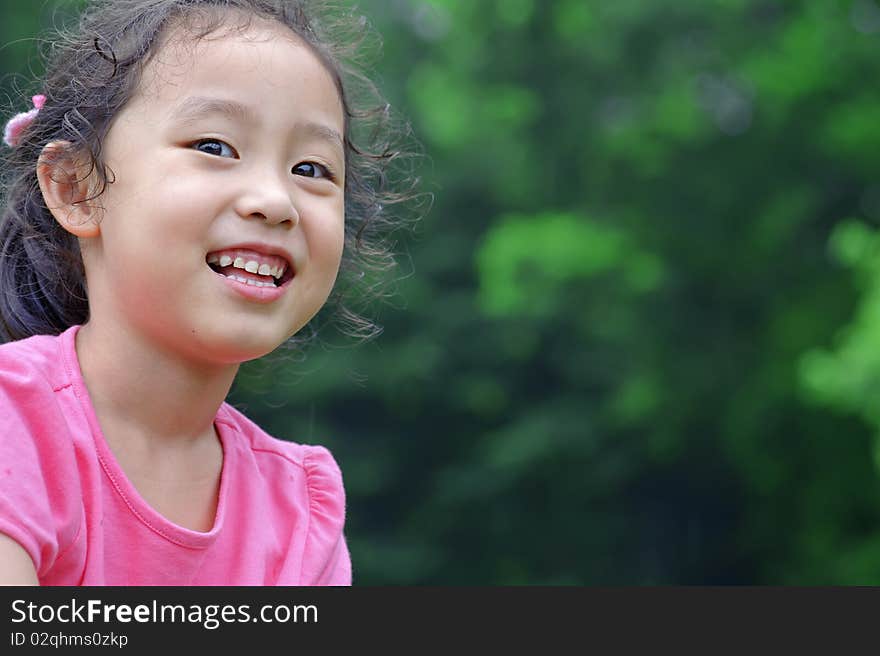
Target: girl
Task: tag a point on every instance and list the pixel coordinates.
(179, 200)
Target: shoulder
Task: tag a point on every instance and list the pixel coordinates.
(299, 478)
(32, 370)
(40, 486)
(32, 364)
(281, 459)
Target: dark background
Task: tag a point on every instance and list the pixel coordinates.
(637, 338)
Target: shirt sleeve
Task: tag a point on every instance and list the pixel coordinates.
(326, 560)
(39, 484)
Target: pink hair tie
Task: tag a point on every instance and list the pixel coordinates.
(18, 123)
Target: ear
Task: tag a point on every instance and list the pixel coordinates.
(65, 188)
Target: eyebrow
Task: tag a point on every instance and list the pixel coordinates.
(195, 107)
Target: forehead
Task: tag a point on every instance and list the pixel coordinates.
(264, 65)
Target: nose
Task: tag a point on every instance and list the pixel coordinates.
(268, 198)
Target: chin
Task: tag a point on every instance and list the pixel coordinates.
(239, 347)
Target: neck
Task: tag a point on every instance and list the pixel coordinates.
(148, 394)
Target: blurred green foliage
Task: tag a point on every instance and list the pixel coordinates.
(637, 338)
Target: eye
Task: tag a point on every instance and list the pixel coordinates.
(214, 147)
(313, 170)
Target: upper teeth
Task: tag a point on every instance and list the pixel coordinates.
(253, 266)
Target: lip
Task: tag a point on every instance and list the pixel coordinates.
(250, 292)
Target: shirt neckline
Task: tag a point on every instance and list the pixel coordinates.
(137, 505)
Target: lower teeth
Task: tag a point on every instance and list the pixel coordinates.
(249, 281)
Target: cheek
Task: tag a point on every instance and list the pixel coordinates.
(336, 240)
(325, 246)
(161, 213)
(150, 241)
(184, 201)
(325, 234)
(332, 244)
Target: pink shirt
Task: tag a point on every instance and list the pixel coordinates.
(65, 499)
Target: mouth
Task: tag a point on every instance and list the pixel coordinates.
(251, 267)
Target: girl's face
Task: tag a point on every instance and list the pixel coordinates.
(231, 148)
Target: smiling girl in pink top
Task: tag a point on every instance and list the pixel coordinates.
(179, 201)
